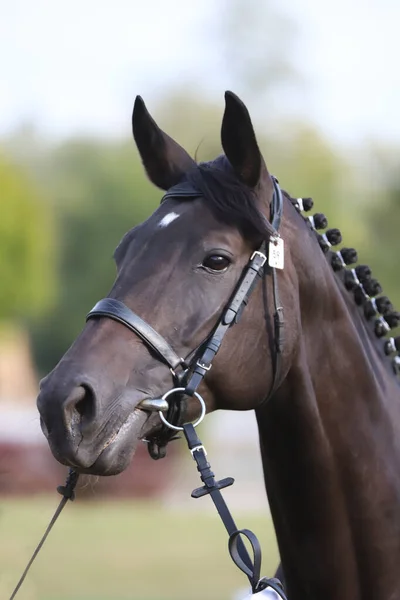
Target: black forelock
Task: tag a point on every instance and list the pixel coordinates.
(231, 201)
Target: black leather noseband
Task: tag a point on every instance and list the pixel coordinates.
(199, 361)
(118, 311)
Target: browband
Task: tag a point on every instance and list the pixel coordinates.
(185, 189)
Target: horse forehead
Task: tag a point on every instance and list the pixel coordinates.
(188, 223)
(174, 214)
(168, 229)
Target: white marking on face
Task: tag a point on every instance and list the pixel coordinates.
(167, 219)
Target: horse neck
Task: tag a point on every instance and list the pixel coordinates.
(330, 447)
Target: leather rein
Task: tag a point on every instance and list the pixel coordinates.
(196, 365)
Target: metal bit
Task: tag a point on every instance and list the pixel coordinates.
(154, 405)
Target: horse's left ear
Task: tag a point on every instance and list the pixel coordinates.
(239, 142)
(164, 159)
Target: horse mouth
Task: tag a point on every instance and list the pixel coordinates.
(123, 429)
(119, 449)
(112, 456)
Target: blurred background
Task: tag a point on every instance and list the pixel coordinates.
(322, 84)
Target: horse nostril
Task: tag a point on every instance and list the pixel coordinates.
(79, 407)
(86, 405)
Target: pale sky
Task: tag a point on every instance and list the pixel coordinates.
(76, 66)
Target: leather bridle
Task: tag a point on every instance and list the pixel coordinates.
(188, 372)
(192, 371)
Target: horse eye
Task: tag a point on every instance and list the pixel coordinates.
(216, 262)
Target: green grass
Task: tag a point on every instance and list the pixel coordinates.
(123, 550)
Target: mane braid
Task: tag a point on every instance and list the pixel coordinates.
(357, 280)
(231, 201)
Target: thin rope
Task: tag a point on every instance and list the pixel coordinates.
(67, 491)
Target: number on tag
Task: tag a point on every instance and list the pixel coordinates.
(276, 253)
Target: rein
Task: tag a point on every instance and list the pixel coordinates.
(67, 492)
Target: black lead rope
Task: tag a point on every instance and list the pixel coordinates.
(237, 549)
(67, 492)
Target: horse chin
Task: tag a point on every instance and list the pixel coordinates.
(113, 460)
(119, 450)
(116, 452)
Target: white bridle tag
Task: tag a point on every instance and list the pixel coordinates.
(276, 253)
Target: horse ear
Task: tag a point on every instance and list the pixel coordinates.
(165, 161)
(239, 141)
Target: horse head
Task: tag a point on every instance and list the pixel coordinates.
(176, 272)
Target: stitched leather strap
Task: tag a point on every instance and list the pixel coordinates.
(114, 309)
(213, 487)
(238, 551)
(230, 317)
(277, 206)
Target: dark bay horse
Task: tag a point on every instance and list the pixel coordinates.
(326, 397)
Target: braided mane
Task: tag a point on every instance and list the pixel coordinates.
(357, 280)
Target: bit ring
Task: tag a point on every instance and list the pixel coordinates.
(199, 398)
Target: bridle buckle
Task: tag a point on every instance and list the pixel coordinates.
(203, 365)
(258, 253)
(196, 449)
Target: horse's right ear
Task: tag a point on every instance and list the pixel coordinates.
(239, 142)
(165, 161)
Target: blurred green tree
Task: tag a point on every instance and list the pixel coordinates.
(26, 246)
(100, 192)
(307, 165)
(381, 247)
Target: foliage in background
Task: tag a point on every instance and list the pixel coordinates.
(381, 245)
(26, 246)
(99, 192)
